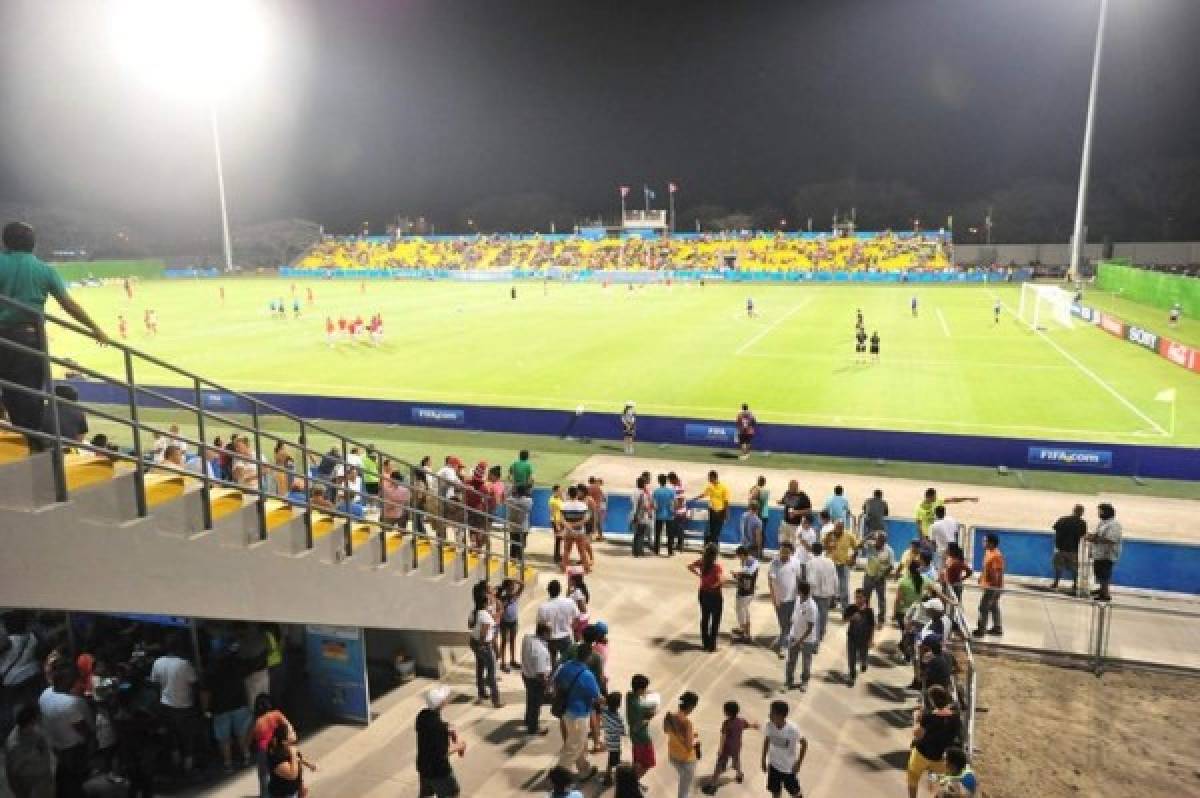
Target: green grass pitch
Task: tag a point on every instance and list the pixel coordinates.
(681, 350)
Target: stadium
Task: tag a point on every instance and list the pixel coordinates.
(289, 506)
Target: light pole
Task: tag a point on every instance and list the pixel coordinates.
(225, 238)
(1086, 161)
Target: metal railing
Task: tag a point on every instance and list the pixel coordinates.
(454, 516)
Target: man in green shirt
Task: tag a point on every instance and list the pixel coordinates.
(521, 474)
(924, 512)
(26, 279)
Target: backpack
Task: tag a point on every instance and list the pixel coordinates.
(558, 704)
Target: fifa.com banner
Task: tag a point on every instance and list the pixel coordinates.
(1070, 458)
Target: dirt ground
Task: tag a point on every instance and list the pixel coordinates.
(1051, 731)
(1141, 516)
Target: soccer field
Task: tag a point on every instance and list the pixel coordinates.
(682, 350)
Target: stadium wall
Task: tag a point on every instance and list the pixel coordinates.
(73, 271)
(681, 275)
(1151, 288)
(1156, 462)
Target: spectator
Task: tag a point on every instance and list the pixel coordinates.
(483, 633)
(561, 784)
(955, 572)
(370, 471)
(244, 465)
(782, 578)
(796, 506)
(806, 536)
(959, 781)
(28, 758)
(935, 730)
(880, 562)
(25, 278)
(224, 700)
(598, 503)
(679, 527)
(642, 521)
(535, 671)
(266, 720)
(925, 510)
(1068, 531)
(664, 513)
(296, 493)
(802, 638)
(20, 673)
(252, 652)
(285, 763)
(750, 528)
(627, 784)
(574, 514)
(177, 679)
(1106, 550)
(614, 730)
(172, 457)
(436, 741)
(908, 591)
(637, 715)
(822, 577)
(72, 423)
(521, 473)
(874, 510)
(860, 634)
(746, 578)
(69, 725)
(838, 506)
(842, 547)
(782, 752)
(556, 520)
(475, 499)
(760, 494)
(509, 597)
(683, 747)
(730, 749)
(580, 692)
(628, 427)
(559, 614)
(396, 496)
(712, 601)
(992, 582)
(717, 496)
(942, 533)
(933, 664)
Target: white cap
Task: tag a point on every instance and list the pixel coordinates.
(934, 605)
(436, 696)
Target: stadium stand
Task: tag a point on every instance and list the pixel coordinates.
(760, 252)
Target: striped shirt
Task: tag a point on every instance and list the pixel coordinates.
(614, 729)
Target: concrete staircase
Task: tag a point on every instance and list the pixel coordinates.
(94, 553)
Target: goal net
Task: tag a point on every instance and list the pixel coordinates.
(1042, 305)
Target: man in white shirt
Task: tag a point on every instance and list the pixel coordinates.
(69, 725)
(783, 752)
(558, 614)
(806, 536)
(822, 576)
(942, 532)
(803, 639)
(177, 679)
(782, 576)
(536, 667)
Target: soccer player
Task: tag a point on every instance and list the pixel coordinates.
(128, 289)
(281, 308)
(513, 292)
(329, 330)
(750, 307)
(122, 327)
(1176, 311)
(628, 426)
(746, 427)
(913, 304)
(377, 329)
(221, 293)
(875, 346)
(860, 345)
(996, 312)
(310, 294)
(295, 308)
(858, 318)
(341, 326)
(151, 320)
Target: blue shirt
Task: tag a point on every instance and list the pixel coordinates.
(664, 503)
(583, 690)
(838, 508)
(751, 527)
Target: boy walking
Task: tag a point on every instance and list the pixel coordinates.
(614, 730)
(730, 750)
(860, 633)
(783, 752)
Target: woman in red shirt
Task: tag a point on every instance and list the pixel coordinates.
(712, 578)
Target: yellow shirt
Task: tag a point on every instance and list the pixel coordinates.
(717, 495)
(556, 509)
(841, 549)
(925, 517)
(681, 737)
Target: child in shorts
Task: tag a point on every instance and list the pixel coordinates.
(730, 749)
(614, 730)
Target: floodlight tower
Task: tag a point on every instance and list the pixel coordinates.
(1086, 161)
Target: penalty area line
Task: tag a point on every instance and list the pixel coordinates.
(942, 319)
(762, 333)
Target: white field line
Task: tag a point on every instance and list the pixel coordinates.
(540, 401)
(761, 333)
(1094, 377)
(817, 357)
(942, 319)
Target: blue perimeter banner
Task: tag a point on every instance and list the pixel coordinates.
(1070, 458)
(337, 669)
(711, 433)
(439, 415)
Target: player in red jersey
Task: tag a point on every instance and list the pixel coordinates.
(122, 327)
(310, 294)
(128, 288)
(221, 293)
(329, 330)
(151, 320)
(342, 326)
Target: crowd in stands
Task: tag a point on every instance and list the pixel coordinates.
(750, 252)
(117, 706)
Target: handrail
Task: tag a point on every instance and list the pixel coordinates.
(482, 530)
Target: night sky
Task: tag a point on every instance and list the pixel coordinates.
(369, 108)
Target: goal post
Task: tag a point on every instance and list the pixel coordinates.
(1041, 305)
